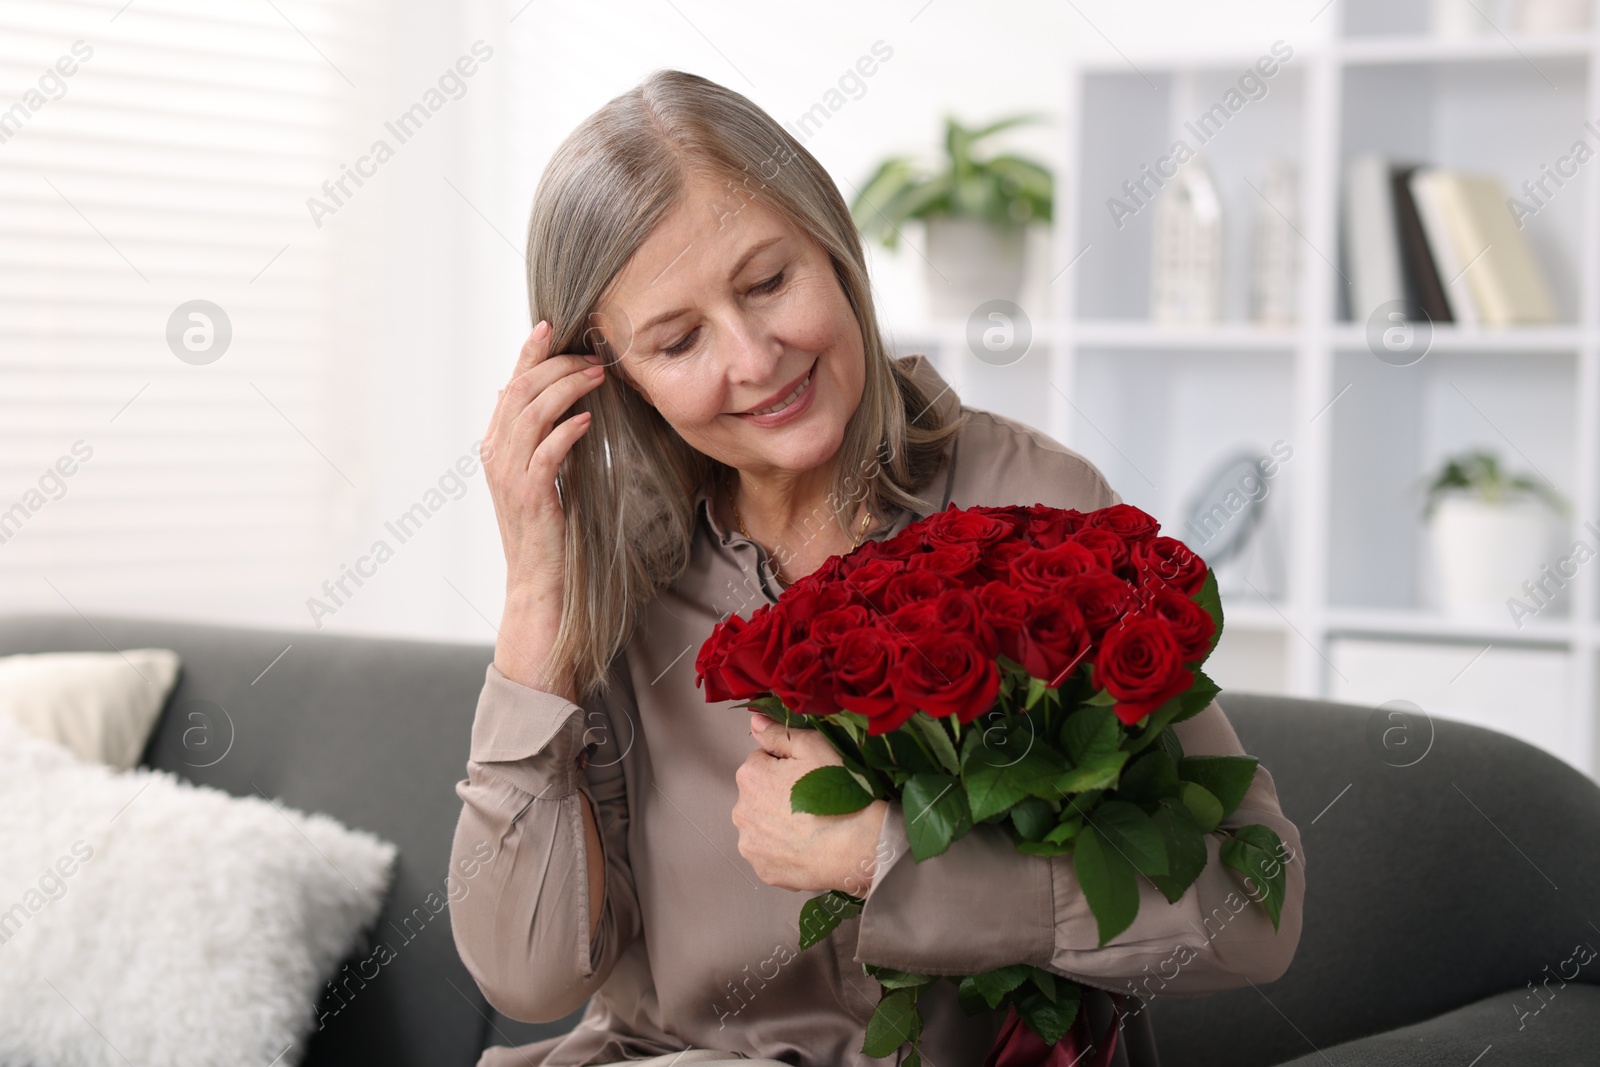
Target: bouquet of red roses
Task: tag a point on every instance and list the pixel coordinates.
(1020, 666)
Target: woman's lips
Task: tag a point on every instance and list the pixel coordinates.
(796, 407)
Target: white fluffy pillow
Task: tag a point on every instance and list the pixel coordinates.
(145, 920)
(101, 705)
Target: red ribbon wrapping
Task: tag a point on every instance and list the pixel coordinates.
(1018, 1046)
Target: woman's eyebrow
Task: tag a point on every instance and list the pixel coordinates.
(744, 260)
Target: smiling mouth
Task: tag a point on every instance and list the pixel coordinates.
(794, 395)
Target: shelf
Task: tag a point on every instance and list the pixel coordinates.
(1491, 47)
(1131, 333)
(1419, 624)
(1560, 340)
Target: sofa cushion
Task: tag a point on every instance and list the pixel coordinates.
(101, 705)
(144, 919)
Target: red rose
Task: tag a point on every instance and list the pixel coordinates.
(1168, 561)
(753, 653)
(802, 680)
(1048, 527)
(1140, 664)
(947, 674)
(1191, 624)
(912, 586)
(1045, 568)
(1101, 596)
(828, 628)
(869, 580)
(915, 620)
(961, 612)
(1005, 612)
(1126, 521)
(708, 663)
(865, 663)
(1108, 548)
(957, 562)
(972, 527)
(996, 563)
(1054, 638)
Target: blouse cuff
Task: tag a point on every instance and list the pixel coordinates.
(534, 737)
(919, 916)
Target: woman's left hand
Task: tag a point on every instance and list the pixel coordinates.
(792, 850)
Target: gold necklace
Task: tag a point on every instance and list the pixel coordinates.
(866, 520)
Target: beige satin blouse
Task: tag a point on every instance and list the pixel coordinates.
(693, 950)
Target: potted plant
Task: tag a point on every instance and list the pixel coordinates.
(1490, 531)
(976, 211)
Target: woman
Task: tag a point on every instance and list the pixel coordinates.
(704, 305)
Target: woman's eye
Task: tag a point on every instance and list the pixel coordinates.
(771, 284)
(683, 345)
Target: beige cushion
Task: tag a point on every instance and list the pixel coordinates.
(101, 705)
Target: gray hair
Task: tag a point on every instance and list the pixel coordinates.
(628, 484)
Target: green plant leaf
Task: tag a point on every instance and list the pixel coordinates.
(1037, 687)
(1203, 807)
(1044, 848)
(890, 978)
(1032, 817)
(1128, 829)
(821, 915)
(935, 810)
(1185, 843)
(1254, 854)
(1050, 1019)
(1195, 699)
(1149, 778)
(894, 1022)
(1090, 731)
(999, 776)
(1109, 884)
(1096, 772)
(830, 790)
(994, 985)
(1228, 777)
(932, 731)
(1065, 831)
(1208, 597)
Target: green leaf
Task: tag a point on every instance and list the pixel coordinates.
(1090, 731)
(933, 732)
(1255, 855)
(1149, 778)
(890, 978)
(971, 1000)
(1200, 694)
(1130, 831)
(1032, 817)
(1099, 771)
(821, 915)
(1185, 843)
(1065, 831)
(935, 810)
(1207, 597)
(1101, 698)
(1228, 777)
(1203, 807)
(1156, 723)
(999, 776)
(1050, 1019)
(1172, 746)
(1044, 981)
(894, 1022)
(1109, 883)
(830, 790)
(1036, 689)
(775, 709)
(994, 985)
(1044, 848)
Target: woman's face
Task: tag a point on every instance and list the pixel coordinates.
(725, 307)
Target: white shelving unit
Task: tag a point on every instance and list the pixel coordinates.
(1156, 406)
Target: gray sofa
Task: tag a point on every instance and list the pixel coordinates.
(1439, 893)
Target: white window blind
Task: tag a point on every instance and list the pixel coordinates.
(173, 164)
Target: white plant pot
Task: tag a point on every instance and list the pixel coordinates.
(1483, 553)
(970, 262)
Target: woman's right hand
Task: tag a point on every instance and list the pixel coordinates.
(521, 453)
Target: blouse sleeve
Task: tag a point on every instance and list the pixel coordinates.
(521, 919)
(1215, 937)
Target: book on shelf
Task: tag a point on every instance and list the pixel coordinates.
(1442, 240)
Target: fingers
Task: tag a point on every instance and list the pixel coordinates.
(534, 423)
